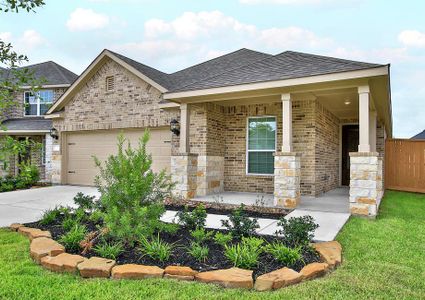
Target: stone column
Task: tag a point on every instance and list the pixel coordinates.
(55, 173)
(366, 188)
(287, 173)
(184, 167)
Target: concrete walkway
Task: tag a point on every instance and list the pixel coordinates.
(28, 205)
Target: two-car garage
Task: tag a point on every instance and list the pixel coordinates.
(81, 146)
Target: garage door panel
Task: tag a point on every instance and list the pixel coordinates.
(81, 146)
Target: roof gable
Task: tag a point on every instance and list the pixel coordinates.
(419, 136)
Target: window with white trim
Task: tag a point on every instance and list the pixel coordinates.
(261, 144)
(37, 104)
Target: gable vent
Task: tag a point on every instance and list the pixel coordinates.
(110, 83)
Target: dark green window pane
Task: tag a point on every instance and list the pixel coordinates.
(260, 162)
(261, 133)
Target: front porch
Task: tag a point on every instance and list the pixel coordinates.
(336, 200)
(290, 150)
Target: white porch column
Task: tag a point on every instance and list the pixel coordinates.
(372, 130)
(286, 123)
(364, 120)
(184, 128)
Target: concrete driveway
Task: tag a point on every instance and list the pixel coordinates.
(28, 205)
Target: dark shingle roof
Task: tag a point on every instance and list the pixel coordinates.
(30, 123)
(51, 72)
(286, 65)
(419, 136)
(197, 72)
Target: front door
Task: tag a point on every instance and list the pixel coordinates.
(350, 143)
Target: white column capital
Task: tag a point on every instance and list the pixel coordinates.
(286, 97)
(363, 89)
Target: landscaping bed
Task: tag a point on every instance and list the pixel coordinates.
(182, 240)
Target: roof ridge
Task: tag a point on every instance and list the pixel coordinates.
(215, 58)
(119, 54)
(58, 68)
(230, 70)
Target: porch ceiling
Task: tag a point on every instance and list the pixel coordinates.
(343, 103)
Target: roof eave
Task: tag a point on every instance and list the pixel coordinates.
(346, 75)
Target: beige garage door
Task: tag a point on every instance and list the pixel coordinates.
(81, 146)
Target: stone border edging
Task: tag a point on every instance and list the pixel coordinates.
(52, 256)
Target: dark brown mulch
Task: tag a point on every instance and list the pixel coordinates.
(181, 241)
(225, 208)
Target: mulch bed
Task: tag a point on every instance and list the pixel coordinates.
(181, 241)
(219, 208)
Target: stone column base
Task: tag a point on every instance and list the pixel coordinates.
(287, 173)
(183, 173)
(366, 188)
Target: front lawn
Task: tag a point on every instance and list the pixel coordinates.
(382, 259)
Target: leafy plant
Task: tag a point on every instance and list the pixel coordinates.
(283, 254)
(155, 248)
(200, 235)
(69, 223)
(222, 239)
(239, 224)
(71, 240)
(85, 202)
(96, 216)
(246, 253)
(193, 219)
(297, 231)
(170, 228)
(108, 250)
(50, 216)
(131, 193)
(28, 174)
(199, 252)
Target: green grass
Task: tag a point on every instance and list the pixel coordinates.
(383, 259)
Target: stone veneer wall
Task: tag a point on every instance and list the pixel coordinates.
(327, 140)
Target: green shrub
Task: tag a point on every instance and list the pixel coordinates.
(170, 228)
(71, 240)
(96, 216)
(283, 254)
(69, 223)
(199, 252)
(108, 250)
(155, 248)
(193, 219)
(245, 254)
(28, 175)
(239, 224)
(131, 193)
(222, 239)
(200, 235)
(50, 216)
(85, 202)
(297, 231)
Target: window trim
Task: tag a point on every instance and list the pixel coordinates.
(38, 103)
(247, 142)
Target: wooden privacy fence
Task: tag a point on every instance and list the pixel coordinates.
(405, 165)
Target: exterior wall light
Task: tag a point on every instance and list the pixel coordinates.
(54, 133)
(175, 127)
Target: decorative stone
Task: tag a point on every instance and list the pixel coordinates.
(96, 267)
(62, 263)
(33, 233)
(287, 177)
(42, 246)
(229, 278)
(277, 279)
(180, 273)
(314, 270)
(133, 271)
(330, 252)
(15, 226)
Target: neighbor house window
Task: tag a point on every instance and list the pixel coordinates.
(261, 144)
(38, 103)
(110, 83)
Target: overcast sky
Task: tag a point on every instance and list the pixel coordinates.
(170, 35)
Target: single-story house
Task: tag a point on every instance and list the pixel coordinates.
(26, 119)
(288, 125)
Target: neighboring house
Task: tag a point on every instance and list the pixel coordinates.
(26, 118)
(419, 136)
(249, 122)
